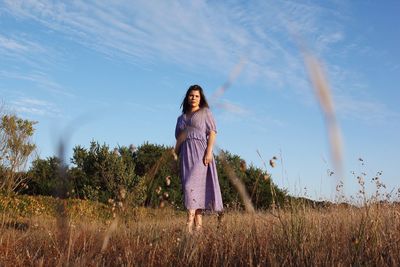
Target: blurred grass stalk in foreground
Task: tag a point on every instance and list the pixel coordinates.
(323, 94)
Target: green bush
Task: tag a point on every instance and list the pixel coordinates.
(149, 177)
(262, 191)
(44, 177)
(27, 206)
(159, 170)
(100, 174)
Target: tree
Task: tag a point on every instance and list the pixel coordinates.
(147, 156)
(15, 149)
(100, 174)
(44, 177)
(159, 172)
(259, 185)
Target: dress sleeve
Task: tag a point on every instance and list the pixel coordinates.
(210, 122)
(179, 126)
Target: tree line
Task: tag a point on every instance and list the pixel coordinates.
(144, 176)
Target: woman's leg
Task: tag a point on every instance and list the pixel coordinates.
(190, 220)
(198, 219)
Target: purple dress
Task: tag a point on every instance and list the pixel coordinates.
(199, 182)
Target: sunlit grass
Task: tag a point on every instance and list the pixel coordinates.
(296, 236)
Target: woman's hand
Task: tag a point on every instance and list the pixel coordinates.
(208, 156)
(174, 153)
(181, 138)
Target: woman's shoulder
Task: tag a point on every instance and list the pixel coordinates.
(207, 111)
(181, 116)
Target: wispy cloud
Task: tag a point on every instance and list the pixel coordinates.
(12, 45)
(353, 100)
(40, 80)
(19, 47)
(325, 41)
(233, 108)
(196, 34)
(188, 33)
(32, 106)
(367, 110)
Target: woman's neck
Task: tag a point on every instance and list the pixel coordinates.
(191, 110)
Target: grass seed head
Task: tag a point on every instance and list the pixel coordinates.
(168, 180)
(272, 163)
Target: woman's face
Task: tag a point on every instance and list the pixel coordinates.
(194, 99)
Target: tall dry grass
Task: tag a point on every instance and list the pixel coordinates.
(297, 236)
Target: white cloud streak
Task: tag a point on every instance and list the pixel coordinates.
(39, 79)
(17, 47)
(32, 106)
(187, 33)
(366, 110)
(232, 108)
(11, 45)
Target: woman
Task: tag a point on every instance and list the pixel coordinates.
(195, 133)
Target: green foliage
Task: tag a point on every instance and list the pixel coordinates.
(44, 177)
(28, 206)
(15, 149)
(100, 174)
(230, 196)
(147, 157)
(160, 173)
(156, 165)
(258, 184)
(150, 177)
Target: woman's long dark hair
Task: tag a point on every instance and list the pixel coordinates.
(203, 100)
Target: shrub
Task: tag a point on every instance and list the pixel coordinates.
(99, 173)
(159, 170)
(15, 149)
(44, 177)
(259, 184)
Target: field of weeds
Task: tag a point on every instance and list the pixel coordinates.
(296, 236)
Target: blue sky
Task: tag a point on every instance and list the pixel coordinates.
(118, 70)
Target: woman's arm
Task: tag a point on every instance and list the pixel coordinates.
(180, 135)
(208, 156)
(179, 140)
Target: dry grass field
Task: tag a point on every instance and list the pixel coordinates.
(297, 236)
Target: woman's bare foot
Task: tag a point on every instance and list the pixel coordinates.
(190, 221)
(198, 220)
